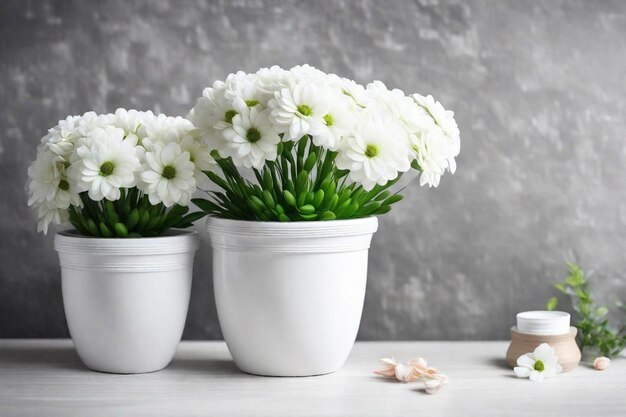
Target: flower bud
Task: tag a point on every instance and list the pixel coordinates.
(601, 363)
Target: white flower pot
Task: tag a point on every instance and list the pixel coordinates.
(290, 295)
(126, 300)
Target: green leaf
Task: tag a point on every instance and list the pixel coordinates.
(204, 205)
(105, 230)
(552, 303)
(144, 218)
(301, 181)
(289, 198)
(393, 199)
(318, 198)
(92, 227)
(121, 230)
(312, 216)
(268, 199)
(190, 218)
(306, 209)
(328, 215)
(283, 218)
(133, 219)
(310, 162)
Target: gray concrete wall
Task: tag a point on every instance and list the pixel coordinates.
(539, 92)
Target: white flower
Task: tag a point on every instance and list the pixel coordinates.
(252, 140)
(108, 162)
(212, 114)
(242, 86)
(168, 175)
(339, 121)
(403, 108)
(272, 79)
(200, 155)
(48, 213)
(444, 118)
(300, 110)
(128, 120)
(540, 364)
(376, 153)
(48, 183)
(431, 154)
(163, 129)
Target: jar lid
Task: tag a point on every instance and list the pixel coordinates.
(543, 322)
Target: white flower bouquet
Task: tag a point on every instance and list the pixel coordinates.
(128, 174)
(321, 147)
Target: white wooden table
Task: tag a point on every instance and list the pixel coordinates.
(46, 378)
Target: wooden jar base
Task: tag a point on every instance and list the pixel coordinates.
(565, 346)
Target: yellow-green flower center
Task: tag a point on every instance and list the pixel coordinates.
(252, 103)
(169, 172)
(304, 110)
(328, 119)
(371, 151)
(253, 135)
(539, 366)
(64, 185)
(106, 169)
(228, 116)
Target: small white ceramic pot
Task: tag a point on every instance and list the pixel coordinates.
(290, 295)
(126, 300)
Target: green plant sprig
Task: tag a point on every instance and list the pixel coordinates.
(302, 184)
(591, 320)
(132, 216)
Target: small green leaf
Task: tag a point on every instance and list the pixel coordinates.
(133, 219)
(328, 215)
(121, 230)
(301, 181)
(268, 199)
(105, 230)
(318, 198)
(310, 162)
(306, 209)
(289, 198)
(283, 218)
(393, 199)
(552, 304)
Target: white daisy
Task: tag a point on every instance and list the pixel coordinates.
(376, 153)
(48, 213)
(246, 87)
(401, 107)
(430, 150)
(339, 121)
(252, 140)
(299, 110)
(48, 183)
(199, 155)
(442, 117)
(168, 175)
(272, 79)
(128, 120)
(108, 162)
(213, 113)
(537, 365)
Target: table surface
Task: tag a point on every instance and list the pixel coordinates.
(46, 378)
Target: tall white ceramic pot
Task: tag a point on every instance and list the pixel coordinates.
(290, 295)
(126, 300)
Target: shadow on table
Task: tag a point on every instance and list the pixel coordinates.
(52, 357)
(205, 366)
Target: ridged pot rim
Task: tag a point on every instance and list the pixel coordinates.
(302, 229)
(174, 241)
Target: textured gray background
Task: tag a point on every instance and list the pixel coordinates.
(539, 92)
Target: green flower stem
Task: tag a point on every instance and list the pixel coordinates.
(302, 184)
